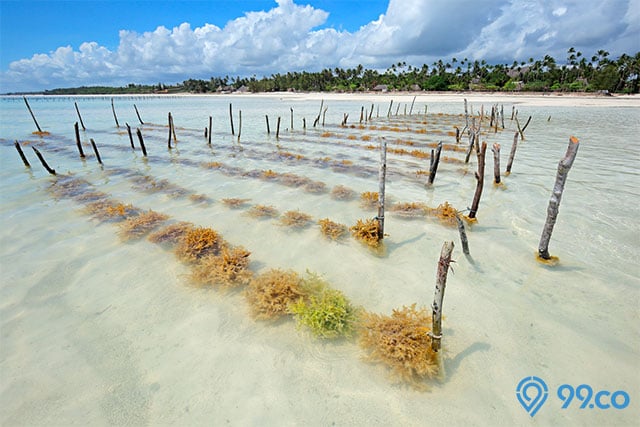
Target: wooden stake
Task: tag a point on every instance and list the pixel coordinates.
(463, 234)
(240, 124)
(412, 102)
(173, 131)
(554, 203)
(79, 116)
(32, 115)
(521, 130)
(169, 140)
(472, 140)
(267, 119)
(496, 163)
(502, 115)
(315, 122)
(209, 131)
(441, 282)
(231, 118)
(138, 114)
(130, 136)
(434, 163)
(371, 112)
(44, 163)
(278, 128)
(361, 114)
(324, 113)
(390, 105)
(22, 156)
(75, 126)
(345, 116)
(144, 150)
(513, 152)
(479, 181)
(290, 108)
(457, 134)
(95, 150)
(382, 174)
(113, 108)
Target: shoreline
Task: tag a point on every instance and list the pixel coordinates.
(521, 98)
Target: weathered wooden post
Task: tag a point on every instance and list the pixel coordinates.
(79, 116)
(496, 163)
(138, 114)
(291, 128)
(457, 134)
(22, 156)
(113, 109)
(390, 105)
(144, 150)
(317, 120)
(95, 150)
(361, 114)
(231, 118)
(239, 124)
(463, 234)
(413, 101)
(513, 152)
(556, 195)
(435, 159)
(173, 130)
(324, 114)
(44, 163)
(209, 131)
(382, 174)
(169, 122)
(479, 182)
(75, 126)
(267, 119)
(441, 282)
(472, 141)
(521, 130)
(278, 128)
(130, 136)
(32, 115)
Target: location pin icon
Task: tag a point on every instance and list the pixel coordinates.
(532, 392)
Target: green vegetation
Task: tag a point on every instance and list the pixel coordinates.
(576, 74)
(327, 313)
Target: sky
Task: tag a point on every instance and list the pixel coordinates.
(51, 44)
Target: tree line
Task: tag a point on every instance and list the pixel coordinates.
(577, 74)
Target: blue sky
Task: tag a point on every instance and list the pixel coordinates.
(48, 44)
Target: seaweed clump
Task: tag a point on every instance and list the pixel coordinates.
(445, 213)
(326, 312)
(366, 231)
(171, 234)
(228, 269)
(295, 219)
(332, 230)
(409, 209)
(340, 192)
(137, 226)
(369, 199)
(235, 203)
(402, 342)
(105, 210)
(262, 211)
(198, 243)
(269, 294)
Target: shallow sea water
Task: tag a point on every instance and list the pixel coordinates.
(98, 331)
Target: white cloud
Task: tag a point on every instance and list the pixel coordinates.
(288, 37)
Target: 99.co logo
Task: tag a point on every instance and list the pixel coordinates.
(532, 393)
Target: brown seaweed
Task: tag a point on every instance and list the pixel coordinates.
(235, 203)
(366, 231)
(401, 342)
(137, 226)
(340, 192)
(262, 211)
(105, 210)
(295, 219)
(228, 269)
(171, 234)
(369, 199)
(198, 243)
(270, 294)
(332, 230)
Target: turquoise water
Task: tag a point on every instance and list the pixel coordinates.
(100, 331)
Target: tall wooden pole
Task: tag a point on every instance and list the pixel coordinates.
(95, 150)
(239, 124)
(496, 163)
(438, 297)
(266, 117)
(113, 109)
(79, 116)
(209, 133)
(435, 159)
(556, 195)
(479, 182)
(513, 152)
(138, 114)
(22, 156)
(32, 115)
(278, 128)
(144, 150)
(231, 118)
(130, 136)
(75, 126)
(44, 163)
(382, 174)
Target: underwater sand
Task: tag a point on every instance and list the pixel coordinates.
(97, 331)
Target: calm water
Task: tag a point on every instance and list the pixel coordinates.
(97, 331)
